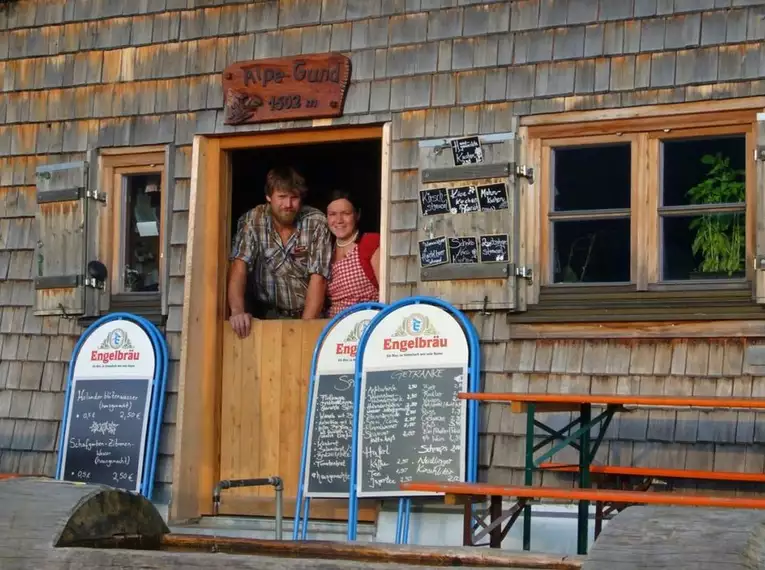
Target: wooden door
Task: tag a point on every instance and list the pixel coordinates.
(264, 389)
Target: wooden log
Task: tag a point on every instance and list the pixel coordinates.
(371, 552)
(680, 538)
(45, 513)
(52, 524)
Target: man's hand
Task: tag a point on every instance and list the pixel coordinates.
(241, 324)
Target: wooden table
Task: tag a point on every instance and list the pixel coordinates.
(578, 433)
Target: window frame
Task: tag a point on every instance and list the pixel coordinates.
(646, 135)
(115, 165)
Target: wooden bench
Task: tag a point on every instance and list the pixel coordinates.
(604, 510)
(466, 493)
(658, 473)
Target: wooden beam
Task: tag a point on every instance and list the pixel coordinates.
(397, 554)
(195, 465)
(645, 111)
(314, 136)
(641, 330)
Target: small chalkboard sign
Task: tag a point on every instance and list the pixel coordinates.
(433, 252)
(467, 151)
(493, 197)
(495, 248)
(434, 201)
(331, 436)
(412, 428)
(464, 199)
(106, 432)
(463, 249)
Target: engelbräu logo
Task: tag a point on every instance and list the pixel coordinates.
(116, 347)
(349, 346)
(417, 327)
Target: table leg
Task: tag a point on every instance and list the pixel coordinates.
(528, 479)
(584, 480)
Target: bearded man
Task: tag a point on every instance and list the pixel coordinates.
(282, 251)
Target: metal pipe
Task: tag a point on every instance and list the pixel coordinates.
(275, 481)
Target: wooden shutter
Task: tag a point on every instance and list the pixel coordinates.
(67, 217)
(759, 253)
(482, 285)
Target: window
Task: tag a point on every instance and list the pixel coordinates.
(703, 208)
(652, 209)
(140, 255)
(646, 218)
(135, 226)
(590, 216)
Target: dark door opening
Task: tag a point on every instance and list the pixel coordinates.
(352, 166)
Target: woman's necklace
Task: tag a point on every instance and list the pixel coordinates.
(349, 242)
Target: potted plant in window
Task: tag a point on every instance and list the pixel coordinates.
(719, 238)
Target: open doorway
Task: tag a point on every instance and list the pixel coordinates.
(351, 166)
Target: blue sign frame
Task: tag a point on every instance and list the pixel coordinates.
(297, 531)
(157, 396)
(474, 378)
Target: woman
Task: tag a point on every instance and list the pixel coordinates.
(355, 256)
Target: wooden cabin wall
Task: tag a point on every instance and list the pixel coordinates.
(82, 74)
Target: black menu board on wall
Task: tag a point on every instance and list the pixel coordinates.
(464, 199)
(494, 248)
(329, 456)
(467, 151)
(493, 197)
(433, 252)
(434, 201)
(463, 249)
(412, 428)
(106, 437)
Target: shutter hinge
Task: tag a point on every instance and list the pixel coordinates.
(759, 262)
(96, 195)
(524, 171)
(524, 272)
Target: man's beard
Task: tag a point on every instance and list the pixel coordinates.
(284, 217)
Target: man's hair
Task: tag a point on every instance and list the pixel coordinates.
(285, 179)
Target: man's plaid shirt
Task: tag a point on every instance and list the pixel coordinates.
(280, 272)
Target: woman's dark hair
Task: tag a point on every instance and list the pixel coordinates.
(343, 195)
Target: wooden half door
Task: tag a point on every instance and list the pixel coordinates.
(264, 390)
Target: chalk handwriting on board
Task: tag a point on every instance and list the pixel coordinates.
(464, 199)
(107, 432)
(434, 201)
(467, 151)
(463, 250)
(494, 248)
(493, 197)
(433, 252)
(413, 428)
(331, 435)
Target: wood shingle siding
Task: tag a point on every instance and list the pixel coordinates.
(82, 74)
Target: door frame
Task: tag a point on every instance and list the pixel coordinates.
(197, 436)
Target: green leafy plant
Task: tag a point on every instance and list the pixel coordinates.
(720, 238)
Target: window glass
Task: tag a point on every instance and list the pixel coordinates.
(703, 220)
(591, 215)
(142, 233)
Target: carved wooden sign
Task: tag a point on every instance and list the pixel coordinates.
(300, 87)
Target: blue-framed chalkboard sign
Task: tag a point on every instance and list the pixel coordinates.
(113, 406)
(413, 359)
(326, 456)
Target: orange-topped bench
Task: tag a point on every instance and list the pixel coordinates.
(466, 493)
(453, 490)
(658, 473)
